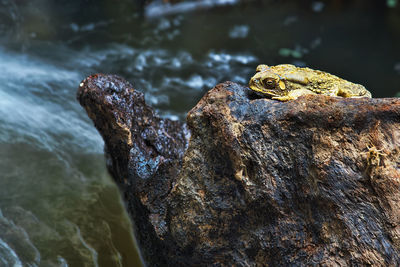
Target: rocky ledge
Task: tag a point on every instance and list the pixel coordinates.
(314, 181)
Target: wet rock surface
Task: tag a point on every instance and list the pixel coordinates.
(313, 181)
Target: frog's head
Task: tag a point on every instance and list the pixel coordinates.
(267, 82)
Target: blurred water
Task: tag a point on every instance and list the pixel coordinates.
(58, 205)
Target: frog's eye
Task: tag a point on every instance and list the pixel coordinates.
(269, 83)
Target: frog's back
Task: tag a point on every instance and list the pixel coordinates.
(321, 82)
(288, 69)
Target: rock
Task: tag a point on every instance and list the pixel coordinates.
(313, 181)
(143, 152)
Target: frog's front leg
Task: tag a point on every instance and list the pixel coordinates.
(294, 94)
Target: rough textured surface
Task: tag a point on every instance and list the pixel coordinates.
(144, 154)
(314, 181)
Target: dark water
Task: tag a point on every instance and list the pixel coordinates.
(58, 205)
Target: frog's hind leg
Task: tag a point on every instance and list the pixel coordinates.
(344, 92)
(354, 92)
(338, 90)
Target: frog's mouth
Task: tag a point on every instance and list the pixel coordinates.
(267, 92)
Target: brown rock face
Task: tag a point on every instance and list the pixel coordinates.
(144, 155)
(315, 181)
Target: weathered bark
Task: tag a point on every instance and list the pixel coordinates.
(314, 181)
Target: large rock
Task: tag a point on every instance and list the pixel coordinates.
(314, 181)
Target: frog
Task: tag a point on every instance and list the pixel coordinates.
(287, 82)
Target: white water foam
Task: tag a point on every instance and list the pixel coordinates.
(37, 102)
(8, 257)
(157, 8)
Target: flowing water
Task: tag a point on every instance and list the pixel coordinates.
(58, 205)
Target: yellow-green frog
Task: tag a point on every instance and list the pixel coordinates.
(286, 82)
